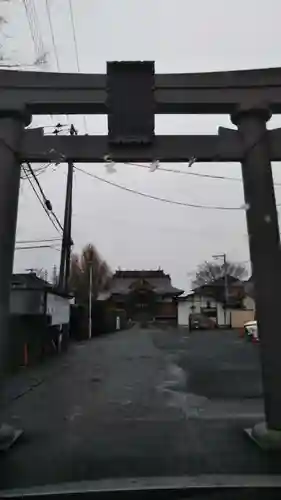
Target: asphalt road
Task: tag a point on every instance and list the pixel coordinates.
(138, 403)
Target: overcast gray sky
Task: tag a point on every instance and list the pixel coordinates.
(181, 36)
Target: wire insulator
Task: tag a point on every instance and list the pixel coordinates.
(48, 205)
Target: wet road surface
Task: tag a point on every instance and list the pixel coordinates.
(142, 402)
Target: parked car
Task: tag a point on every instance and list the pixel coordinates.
(199, 321)
(251, 331)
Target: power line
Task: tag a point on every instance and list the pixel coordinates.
(53, 35)
(146, 195)
(184, 172)
(33, 247)
(39, 171)
(196, 174)
(53, 39)
(41, 203)
(74, 35)
(37, 182)
(38, 241)
(215, 157)
(46, 201)
(172, 170)
(43, 168)
(34, 31)
(157, 198)
(76, 51)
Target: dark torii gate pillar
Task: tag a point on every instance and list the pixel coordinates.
(11, 134)
(265, 252)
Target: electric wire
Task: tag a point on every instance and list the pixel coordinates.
(34, 31)
(46, 240)
(76, 50)
(46, 200)
(53, 35)
(74, 35)
(139, 193)
(33, 247)
(49, 14)
(196, 174)
(41, 203)
(153, 197)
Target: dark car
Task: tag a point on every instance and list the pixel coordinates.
(199, 321)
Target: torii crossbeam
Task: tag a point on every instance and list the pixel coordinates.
(224, 147)
(131, 94)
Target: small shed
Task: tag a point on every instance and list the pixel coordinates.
(39, 319)
(31, 295)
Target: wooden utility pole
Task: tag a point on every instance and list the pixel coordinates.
(69, 233)
(66, 239)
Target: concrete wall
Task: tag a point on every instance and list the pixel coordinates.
(32, 302)
(221, 319)
(184, 310)
(239, 317)
(193, 305)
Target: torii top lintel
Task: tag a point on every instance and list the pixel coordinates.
(196, 93)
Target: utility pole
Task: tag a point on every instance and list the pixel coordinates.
(90, 298)
(223, 256)
(66, 239)
(67, 224)
(69, 230)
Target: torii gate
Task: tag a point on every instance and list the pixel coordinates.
(131, 94)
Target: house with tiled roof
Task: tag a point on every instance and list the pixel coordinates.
(210, 300)
(145, 295)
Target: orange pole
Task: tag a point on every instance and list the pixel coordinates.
(241, 332)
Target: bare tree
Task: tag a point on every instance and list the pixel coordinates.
(81, 266)
(208, 272)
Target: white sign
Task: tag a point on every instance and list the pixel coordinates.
(58, 308)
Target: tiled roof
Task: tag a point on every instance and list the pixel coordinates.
(216, 290)
(141, 273)
(160, 282)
